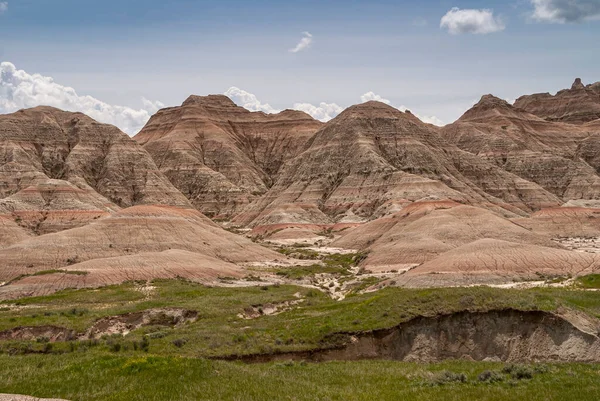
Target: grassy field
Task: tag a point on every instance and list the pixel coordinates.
(174, 364)
(133, 377)
(220, 331)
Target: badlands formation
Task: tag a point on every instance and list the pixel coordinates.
(506, 194)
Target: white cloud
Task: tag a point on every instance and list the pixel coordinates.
(563, 11)
(248, 100)
(152, 106)
(3, 7)
(322, 112)
(369, 96)
(458, 21)
(304, 43)
(19, 90)
(431, 120)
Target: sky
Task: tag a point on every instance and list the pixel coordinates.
(120, 61)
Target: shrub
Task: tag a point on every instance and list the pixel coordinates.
(447, 377)
(490, 377)
(145, 344)
(179, 342)
(519, 372)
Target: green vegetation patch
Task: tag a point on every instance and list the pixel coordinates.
(222, 330)
(591, 281)
(147, 377)
(302, 272)
(47, 272)
(335, 264)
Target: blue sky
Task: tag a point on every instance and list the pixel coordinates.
(121, 51)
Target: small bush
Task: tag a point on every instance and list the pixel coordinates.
(179, 342)
(145, 344)
(155, 335)
(490, 377)
(47, 348)
(73, 260)
(447, 377)
(519, 372)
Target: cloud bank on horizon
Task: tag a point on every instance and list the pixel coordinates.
(322, 112)
(19, 90)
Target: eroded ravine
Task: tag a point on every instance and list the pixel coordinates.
(503, 335)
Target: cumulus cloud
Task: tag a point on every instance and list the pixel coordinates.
(369, 96)
(457, 21)
(152, 106)
(304, 43)
(19, 90)
(248, 100)
(565, 11)
(322, 112)
(3, 7)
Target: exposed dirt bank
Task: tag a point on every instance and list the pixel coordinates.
(119, 324)
(506, 335)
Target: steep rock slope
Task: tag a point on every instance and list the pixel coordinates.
(222, 156)
(536, 150)
(10, 232)
(46, 143)
(55, 205)
(372, 154)
(577, 105)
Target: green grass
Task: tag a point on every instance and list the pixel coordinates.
(219, 331)
(134, 377)
(590, 281)
(165, 363)
(299, 253)
(302, 272)
(335, 264)
(46, 272)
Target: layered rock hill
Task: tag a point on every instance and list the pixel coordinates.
(222, 156)
(82, 204)
(137, 243)
(60, 170)
(373, 155)
(444, 243)
(577, 105)
(551, 154)
(488, 199)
